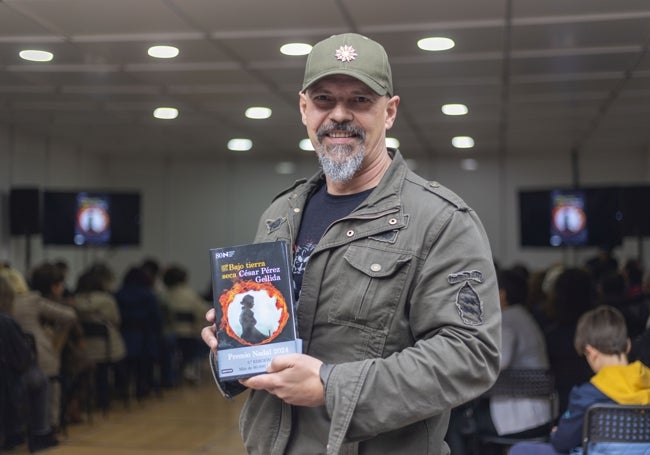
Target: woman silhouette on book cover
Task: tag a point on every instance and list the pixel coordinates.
(248, 321)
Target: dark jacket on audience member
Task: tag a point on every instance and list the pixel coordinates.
(628, 385)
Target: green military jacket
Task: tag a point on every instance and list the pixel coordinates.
(401, 298)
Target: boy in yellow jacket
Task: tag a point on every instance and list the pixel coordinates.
(601, 336)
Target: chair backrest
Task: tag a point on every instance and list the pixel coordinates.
(524, 383)
(97, 330)
(184, 316)
(616, 429)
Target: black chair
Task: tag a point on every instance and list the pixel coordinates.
(187, 347)
(143, 358)
(97, 332)
(615, 428)
(522, 383)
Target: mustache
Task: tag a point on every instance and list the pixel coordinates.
(346, 127)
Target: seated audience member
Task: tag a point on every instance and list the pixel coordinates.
(635, 310)
(573, 294)
(180, 299)
(636, 305)
(522, 347)
(640, 349)
(604, 261)
(65, 271)
(94, 302)
(23, 386)
(601, 336)
(141, 328)
(151, 267)
(43, 318)
(76, 366)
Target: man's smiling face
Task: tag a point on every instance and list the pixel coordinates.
(347, 122)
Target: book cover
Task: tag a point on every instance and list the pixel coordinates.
(253, 300)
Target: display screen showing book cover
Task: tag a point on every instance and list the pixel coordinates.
(253, 300)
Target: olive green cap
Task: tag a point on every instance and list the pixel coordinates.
(353, 55)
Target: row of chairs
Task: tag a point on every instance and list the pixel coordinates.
(607, 428)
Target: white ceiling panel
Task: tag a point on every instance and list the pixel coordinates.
(552, 75)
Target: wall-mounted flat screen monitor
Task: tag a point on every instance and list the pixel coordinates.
(570, 217)
(91, 218)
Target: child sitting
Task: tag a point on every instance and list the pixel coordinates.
(601, 336)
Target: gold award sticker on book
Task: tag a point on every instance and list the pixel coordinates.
(253, 313)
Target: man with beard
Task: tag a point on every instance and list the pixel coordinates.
(398, 305)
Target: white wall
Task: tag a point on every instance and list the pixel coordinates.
(193, 204)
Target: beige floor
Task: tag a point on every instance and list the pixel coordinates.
(184, 421)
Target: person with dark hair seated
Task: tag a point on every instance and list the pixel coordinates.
(37, 315)
(185, 311)
(141, 328)
(96, 306)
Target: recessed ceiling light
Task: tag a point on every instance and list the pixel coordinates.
(34, 55)
(469, 164)
(462, 142)
(454, 109)
(285, 167)
(436, 43)
(306, 145)
(391, 142)
(165, 113)
(163, 51)
(258, 112)
(240, 145)
(295, 49)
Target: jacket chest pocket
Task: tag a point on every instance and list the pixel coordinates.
(369, 285)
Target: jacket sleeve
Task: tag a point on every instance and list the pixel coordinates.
(569, 428)
(57, 313)
(455, 325)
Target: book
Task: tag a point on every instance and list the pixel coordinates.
(254, 304)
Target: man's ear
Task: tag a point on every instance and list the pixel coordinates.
(391, 111)
(302, 104)
(629, 346)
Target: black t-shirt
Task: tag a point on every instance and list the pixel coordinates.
(321, 210)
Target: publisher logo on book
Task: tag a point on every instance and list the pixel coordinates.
(224, 254)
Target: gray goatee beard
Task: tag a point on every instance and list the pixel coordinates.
(340, 162)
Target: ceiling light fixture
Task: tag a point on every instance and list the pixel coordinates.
(34, 55)
(165, 113)
(436, 43)
(454, 109)
(258, 112)
(240, 144)
(306, 145)
(462, 142)
(295, 49)
(163, 51)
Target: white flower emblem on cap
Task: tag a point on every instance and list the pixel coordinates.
(346, 53)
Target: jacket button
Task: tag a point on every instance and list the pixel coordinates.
(296, 210)
(375, 267)
(434, 184)
(350, 233)
(392, 221)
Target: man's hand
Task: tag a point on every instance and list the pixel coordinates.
(208, 333)
(294, 378)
